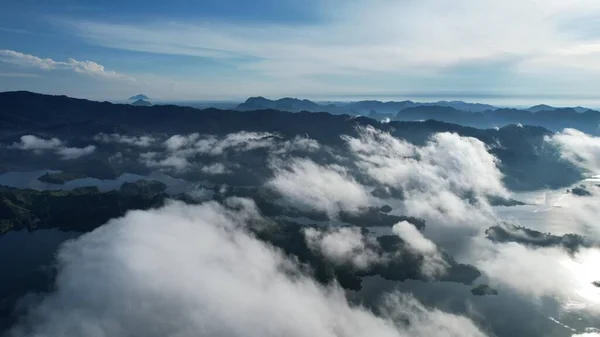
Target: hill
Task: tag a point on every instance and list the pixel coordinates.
(526, 159)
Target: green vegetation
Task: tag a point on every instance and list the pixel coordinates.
(525, 236)
(484, 290)
(79, 210)
(60, 178)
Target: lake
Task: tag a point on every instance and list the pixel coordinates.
(29, 180)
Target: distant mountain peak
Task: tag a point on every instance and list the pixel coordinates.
(141, 102)
(541, 107)
(139, 97)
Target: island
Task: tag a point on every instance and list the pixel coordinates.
(79, 210)
(580, 191)
(506, 232)
(484, 290)
(60, 178)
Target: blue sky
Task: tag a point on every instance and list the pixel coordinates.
(512, 51)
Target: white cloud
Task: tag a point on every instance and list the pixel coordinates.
(345, 245)
(169, 162)
(215, 169)
(84, 67)
(541, 272)
(425, 322)
(435, 178)
(309, 186)
(433, 264)
(298, 143)
(181, 149)
(38, 145)
(30, 142)
(579, 148)
(192, 144)
(141, 141)
(362, 37)
(68, 153)
(176, 142)
(593, 333)
(189, 270)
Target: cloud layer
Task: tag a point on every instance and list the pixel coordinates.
(188, 270)
(181, 151)
(141, 141)
(345, 245)
(446, 181)
(579, 148)
(433, 264)
(308, 186)
(38, 145)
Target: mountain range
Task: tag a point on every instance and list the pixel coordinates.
(359, 107)
(527, 162)
(469, 114)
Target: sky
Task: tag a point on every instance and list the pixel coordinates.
(511, 51)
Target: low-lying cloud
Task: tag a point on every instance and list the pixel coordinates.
(181, 150)
(309, 186)
(188, 270)
(433, 264)
(343, 246)
(39, 145)
(141, 141)
(446, 181)
(579, 148)
(541, 272)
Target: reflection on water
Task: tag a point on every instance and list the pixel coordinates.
(556, 211)
(507, 314)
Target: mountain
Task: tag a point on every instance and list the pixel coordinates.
(360, 107)
(541, 107)
(469, 114)
(581, 109)
(544, 107)
(141, 102)
(526, 160)
(464, 106)
(283, 104)
(139, 97)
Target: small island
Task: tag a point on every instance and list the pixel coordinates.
(580, 191)
(506, 202)
(385, 209)
(60, 178)
(484, 290)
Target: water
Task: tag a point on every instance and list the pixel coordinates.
(556, 211)
(507, 314)
(27, 266)
(29, 180)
